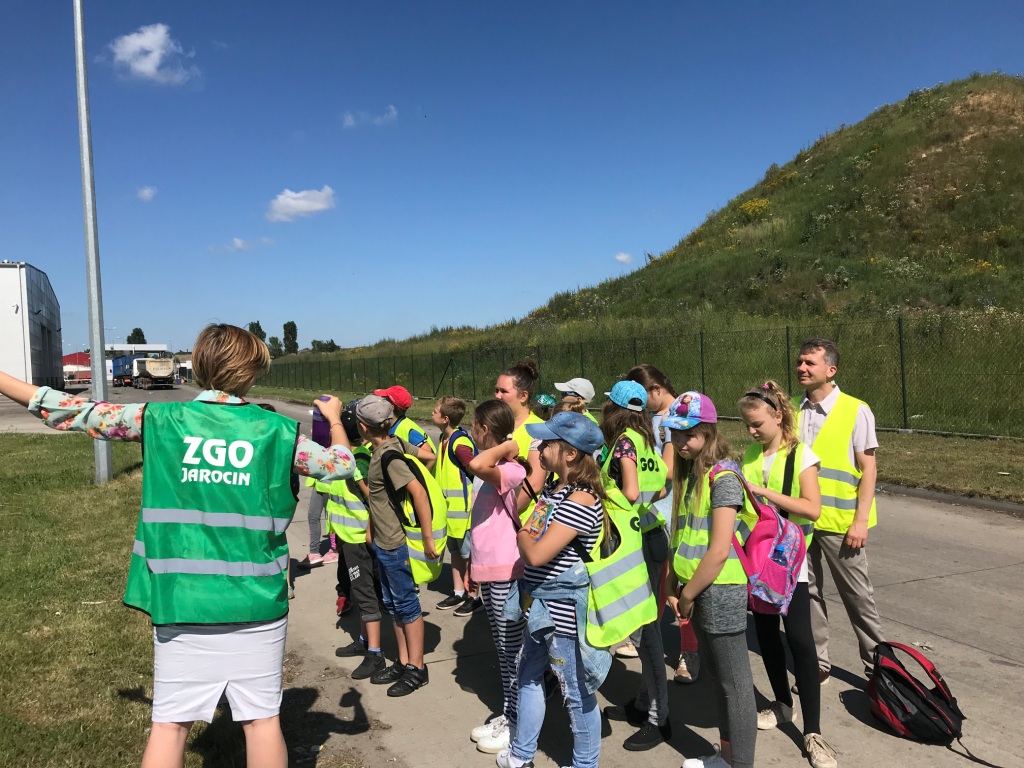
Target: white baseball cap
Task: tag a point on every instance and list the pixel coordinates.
(581, 387)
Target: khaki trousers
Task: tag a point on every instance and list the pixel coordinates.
(849, 569)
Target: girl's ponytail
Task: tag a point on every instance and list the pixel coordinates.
(775, 397)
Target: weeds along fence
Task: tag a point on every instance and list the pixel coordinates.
(939, 374)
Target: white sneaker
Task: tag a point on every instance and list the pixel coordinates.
(504, 760)
(497, 740)
(773, 716)
(626, 651)
(711, 761)
(819, 753)
(487, 728)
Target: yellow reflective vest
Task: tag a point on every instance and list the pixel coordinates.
(456, 484)
(424, 569)
(753, 470)
(650, 473)
(347, 514)
(837, 478)
(693, 532)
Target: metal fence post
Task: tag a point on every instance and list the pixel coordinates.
(703, 384)
(540, 374)
(394, 368)
(582, 373)
(378, 371)
(472, 368)
(636, 360)
(903, 373)
(432, 383)
(789, 363)
(412, 364)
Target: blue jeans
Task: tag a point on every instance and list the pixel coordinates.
(397, 588)
(562, 654)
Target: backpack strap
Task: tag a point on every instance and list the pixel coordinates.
(787, 479)
(390, 456)
(929, 668)
(460, 432)
(730, 466)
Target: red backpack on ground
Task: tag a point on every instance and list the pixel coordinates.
(909, 707)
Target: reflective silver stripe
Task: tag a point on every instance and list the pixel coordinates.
(618, 607)
(650, 519)
(807, 528)
(835, 503)
(458, 515)
(742, 529)
(599, 578)
(350, 522)
(216, 519)
(417, 554)
(697, 551)
(417, 535)
(839, 475)
(353, 504)
(698, 523)
(218, 567)
(646, 497)
(457, 493)
(138, 548)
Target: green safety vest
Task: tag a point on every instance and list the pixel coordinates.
(693, 534)
(347, 514)
(404, 426)
(523, 439)
(620, 599)
(837, 478)
(650, 473)
(456, 485)
(210, 545)
(753, 470)
(424, 569)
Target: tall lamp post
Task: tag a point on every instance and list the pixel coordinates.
(98, 361)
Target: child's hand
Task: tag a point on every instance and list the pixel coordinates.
(511, 449)
(330, 408)
(429, 549)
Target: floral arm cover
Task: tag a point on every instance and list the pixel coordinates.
(107, 421)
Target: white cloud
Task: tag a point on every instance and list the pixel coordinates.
(145, 194)
(238, 244)
(150, 53)
(389, 116)
(352, 119)
(623, 258)
(289, 205)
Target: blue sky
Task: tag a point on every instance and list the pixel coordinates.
(369, 170)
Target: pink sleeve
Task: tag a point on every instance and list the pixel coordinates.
(512, 475)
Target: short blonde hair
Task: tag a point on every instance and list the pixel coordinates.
(228, 358)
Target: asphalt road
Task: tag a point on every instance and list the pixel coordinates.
(947, 579)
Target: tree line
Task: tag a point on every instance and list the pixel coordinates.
(288, 343)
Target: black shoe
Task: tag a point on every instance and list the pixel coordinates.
(371, 664)
(355, 648)
(388, 674)
(648, 737)
(628, 712)
(411, 680)
(450, 602)
(469, 606)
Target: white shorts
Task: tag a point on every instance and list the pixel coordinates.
(194, 664)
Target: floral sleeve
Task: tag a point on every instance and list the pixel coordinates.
(327, 464)
(74, 413)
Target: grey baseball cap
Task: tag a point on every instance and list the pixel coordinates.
(375, 411)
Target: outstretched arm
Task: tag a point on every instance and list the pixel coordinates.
(17, 390)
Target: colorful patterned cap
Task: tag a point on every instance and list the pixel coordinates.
(688, 410)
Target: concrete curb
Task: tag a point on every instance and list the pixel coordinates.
(974, 502)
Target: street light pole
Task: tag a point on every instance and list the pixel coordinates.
(101, 448)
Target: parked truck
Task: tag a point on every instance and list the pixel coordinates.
(149, 372)
(121, 368)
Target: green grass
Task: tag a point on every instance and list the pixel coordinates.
(76, 666)
(962, 466)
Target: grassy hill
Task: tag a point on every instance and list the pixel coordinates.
(918, 208)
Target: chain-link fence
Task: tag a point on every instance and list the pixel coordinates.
(937, 374)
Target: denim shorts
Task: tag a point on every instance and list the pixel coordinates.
(397, 588)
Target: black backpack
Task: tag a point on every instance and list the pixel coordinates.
(909, 707)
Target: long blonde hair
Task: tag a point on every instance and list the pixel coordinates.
(774, 396)
(716, 448)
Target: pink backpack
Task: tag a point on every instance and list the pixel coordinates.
(773, 552)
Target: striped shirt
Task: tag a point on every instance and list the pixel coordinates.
(587, 522)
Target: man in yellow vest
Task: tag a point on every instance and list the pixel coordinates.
(840, 429)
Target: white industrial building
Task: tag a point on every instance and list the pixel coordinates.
(30, 342)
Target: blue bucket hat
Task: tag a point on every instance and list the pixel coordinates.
(574, 428)
(629, 394)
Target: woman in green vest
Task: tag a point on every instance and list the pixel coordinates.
(707, 582)
(210, 560)
(634, 468)
(785, 472)
(515, 388)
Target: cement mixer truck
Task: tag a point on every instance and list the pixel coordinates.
(150, 372)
